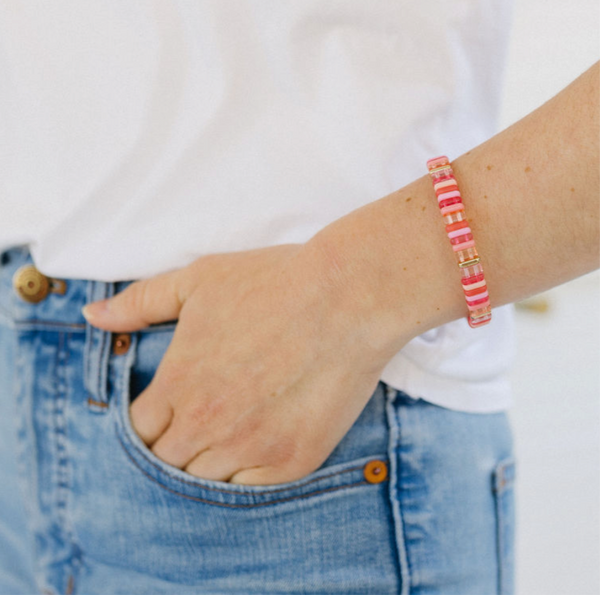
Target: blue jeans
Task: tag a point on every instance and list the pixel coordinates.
(415, 499)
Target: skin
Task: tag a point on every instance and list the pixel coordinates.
(277, 350)
(259, 366)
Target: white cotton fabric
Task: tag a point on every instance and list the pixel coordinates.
(137, 136)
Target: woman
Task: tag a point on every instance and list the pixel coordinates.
(290, 398)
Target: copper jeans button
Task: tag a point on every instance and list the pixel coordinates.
(121, 343)
(375, 471)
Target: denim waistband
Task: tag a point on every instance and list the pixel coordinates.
(58, 310)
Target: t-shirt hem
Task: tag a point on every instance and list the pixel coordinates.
(489, 396)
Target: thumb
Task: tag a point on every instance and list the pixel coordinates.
(140, 304)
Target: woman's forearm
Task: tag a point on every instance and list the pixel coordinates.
(531, 196)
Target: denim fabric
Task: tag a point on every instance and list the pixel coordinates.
(86, 508)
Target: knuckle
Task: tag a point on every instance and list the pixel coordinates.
(201, 411)
(142, 298)
(134, 298)
(196, 413)
(286, 451)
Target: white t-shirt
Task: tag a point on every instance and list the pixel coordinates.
(137, 136)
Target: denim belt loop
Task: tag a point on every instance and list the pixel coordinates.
(97, 352)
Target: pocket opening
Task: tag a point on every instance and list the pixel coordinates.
(327, 478)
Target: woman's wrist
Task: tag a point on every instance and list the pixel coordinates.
(391, 268)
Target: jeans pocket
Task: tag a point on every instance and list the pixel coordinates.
(504, 496)
(356, 462)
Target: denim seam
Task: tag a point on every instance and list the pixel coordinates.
(45, 323)
(62, 454)
(500, 487)
(499, 541)
(26, 474)
(254, 505)
(394, 487)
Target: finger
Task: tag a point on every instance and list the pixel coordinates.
(264, 475)
(145, 302)
(179, 444)
(151, 413)
(216, 464)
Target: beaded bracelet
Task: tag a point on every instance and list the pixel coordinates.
(461, 238)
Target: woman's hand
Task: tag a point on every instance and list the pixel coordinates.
(266, 372)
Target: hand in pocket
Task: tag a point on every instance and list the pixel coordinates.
(267, 370)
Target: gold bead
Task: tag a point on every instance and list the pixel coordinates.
(468, 263)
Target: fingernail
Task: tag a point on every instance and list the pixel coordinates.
(95, 309)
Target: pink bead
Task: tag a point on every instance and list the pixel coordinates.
(442, 174)
(446, 195)
(449, 182)
(478, 304)
(468, 244)
(437, 162)
(480, 298)
(452, 208)
(459, 232)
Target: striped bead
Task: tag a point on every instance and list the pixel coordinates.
(471, 272)
(463, 245)
(446, 195)
(437, 162)
(474, 281)
(449, 201)
(476, 301)
(461, 238)
(453, 208)
(462, 242)
(445, 185)
(439, 173)
(461, 223)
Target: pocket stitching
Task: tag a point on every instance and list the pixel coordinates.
(240, 505)
(196, 484)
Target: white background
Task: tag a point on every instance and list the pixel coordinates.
(556, 380)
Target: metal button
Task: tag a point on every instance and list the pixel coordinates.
(31, 285)
(121, 343)
(375, 471)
